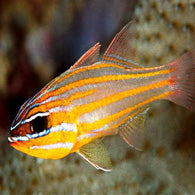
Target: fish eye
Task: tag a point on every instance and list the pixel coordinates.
(38, 124)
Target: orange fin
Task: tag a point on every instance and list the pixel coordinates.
(182, 80)
(96, 154)
(122, 49)
(89, 57)
(133, 130)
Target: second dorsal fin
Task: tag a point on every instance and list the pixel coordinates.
(89, 57)
(122, 48)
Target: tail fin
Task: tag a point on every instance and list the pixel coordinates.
(182, 80)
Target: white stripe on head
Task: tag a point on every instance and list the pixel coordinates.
(19, 138)
(41, 114)
(13, 127)
(67, 145)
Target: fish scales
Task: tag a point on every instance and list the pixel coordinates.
(117, 80)
(66, 88)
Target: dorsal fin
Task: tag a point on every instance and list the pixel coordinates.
(133, 130)
(122, 48)
(89, 57)
(96, 154)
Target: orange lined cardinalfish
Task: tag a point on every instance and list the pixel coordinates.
(100, 97)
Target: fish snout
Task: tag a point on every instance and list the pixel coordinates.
(17, 134)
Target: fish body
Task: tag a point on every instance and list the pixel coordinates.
(96, 98)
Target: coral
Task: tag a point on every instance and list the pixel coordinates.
(166, 29)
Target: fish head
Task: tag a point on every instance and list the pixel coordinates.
(39, 133)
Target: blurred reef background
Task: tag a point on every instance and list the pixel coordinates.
(41, 39)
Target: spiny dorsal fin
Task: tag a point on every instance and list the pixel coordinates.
(96, 154)
(89, 57)
(122, 48)
(133, 130)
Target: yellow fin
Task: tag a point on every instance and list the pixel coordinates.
(133, 130)
(96, 154)
(122, 49)
(89, 57)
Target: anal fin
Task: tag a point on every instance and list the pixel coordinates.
(96, 154)
(132, 131)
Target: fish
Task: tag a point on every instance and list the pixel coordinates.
(99, 97)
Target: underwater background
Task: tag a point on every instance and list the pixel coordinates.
(41, 39)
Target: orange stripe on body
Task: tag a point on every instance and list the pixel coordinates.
(60, 117)
(102, 79)
(92, 67)
(61, 102)
(82, 109)
(113, 130)
(79, 110)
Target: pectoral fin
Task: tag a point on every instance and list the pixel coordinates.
(96, 154)
(133, 130)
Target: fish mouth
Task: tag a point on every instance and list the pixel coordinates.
(10, 140)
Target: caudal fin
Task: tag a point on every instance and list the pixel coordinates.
(182, 80)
